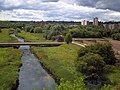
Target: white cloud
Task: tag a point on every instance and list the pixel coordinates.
(61, 10)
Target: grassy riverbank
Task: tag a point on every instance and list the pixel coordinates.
(59, 60)
(5, 37)
(9, 62)
(9, 66)
(32, 37)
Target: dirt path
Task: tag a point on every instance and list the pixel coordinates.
(115, 44)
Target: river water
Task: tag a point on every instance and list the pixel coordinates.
(32, 76)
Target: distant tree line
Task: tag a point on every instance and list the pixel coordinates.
(58, 31)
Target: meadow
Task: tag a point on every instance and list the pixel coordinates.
(59, 60)
(9, 68)
(32, 37)
(5, 37)
(9, 63)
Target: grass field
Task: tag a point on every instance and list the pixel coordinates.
(9, 62)
(9, 66)
(32, 37)
(115, 78)
(59, 60)
(5, 37)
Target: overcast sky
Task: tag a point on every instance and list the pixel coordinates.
(59, 10)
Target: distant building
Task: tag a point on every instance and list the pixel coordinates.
(85, 23)
(105, 26)
(111, 25)
(95, 21)
(118, 25)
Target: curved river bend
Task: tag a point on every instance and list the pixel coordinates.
(32, 76)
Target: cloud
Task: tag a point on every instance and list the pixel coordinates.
(101, 4)
(63, 10)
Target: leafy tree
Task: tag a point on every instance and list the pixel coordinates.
(58, 27)
(90, 63)
(105, 50)
(38, 30)
(29, 28)
(68, 38)
(53, 33)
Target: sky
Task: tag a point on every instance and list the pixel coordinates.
(59, 10)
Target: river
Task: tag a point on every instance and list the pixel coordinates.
(32, 76)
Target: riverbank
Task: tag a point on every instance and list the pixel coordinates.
(32, 37)
(5, 37)
(9, 68)
(9, 63)
(59, 61)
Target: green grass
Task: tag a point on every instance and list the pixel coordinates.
(5, 37)
(9, 62)
(114, 76)
(90, 39)
(59, 60)
(32, 37)
(9, 66)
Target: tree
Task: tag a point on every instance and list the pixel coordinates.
(29, 28)
(104, 50)
(38, 30)
(90, 63)
(68, 38)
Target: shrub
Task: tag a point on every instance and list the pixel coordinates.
(90, 63)
(29, 28)
(104, 50)
(60, 38)
(116, 36)
(38, 30)
(18, 30)
(11, 30)
(53, 38)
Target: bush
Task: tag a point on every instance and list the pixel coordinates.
(18, 30)
(104, 50)
(53, 38)
(90, 63)
(116, 36)
(11, 30)
(53, 33)
(60, 38)
(38, 30)
(29, 28)
(68, 38)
